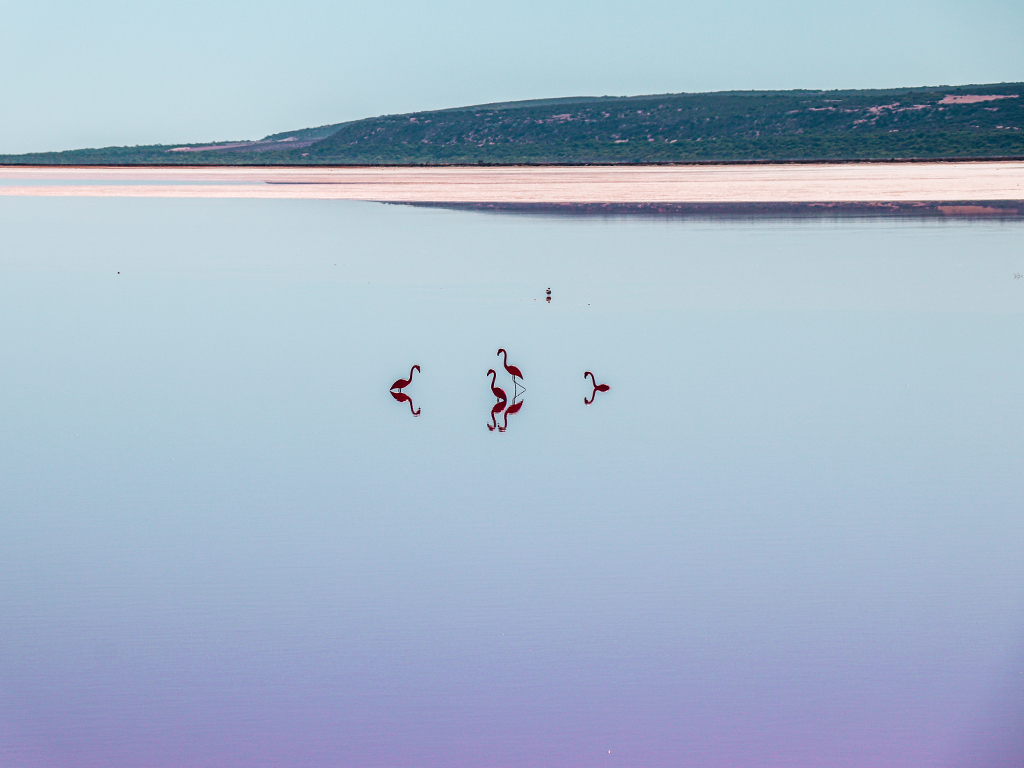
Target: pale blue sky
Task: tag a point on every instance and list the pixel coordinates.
(75, 74)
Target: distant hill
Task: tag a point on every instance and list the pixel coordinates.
(972, 121)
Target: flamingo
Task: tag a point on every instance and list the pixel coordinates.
(403, 383)
(597, 388)
(497, 391)
(512, 410)
(514, 372)
(404, 398)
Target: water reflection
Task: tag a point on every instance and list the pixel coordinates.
(498, 408)
(510, 411)
(404, 398)
(1005, 210)
(597, 388)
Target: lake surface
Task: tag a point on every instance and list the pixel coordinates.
(789, 534)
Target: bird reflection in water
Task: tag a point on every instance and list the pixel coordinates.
(510, 411)
(498, 408)
(400, 396)
(597, 388)
(404, 398)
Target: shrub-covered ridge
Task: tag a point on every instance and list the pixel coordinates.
(919, 123)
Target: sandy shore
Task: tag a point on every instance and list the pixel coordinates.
(740, 184)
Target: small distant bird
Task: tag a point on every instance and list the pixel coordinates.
(403, 383)
(1016, 275)
(549, 295)
(514, 372)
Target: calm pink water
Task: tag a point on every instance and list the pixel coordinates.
(789, 534)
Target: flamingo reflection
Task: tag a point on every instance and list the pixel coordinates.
(597, 388)
(498, 408)
(510, 411)
(404, 398)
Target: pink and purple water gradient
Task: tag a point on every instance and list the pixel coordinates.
(789, 534)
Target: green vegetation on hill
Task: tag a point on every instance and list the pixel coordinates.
(690, 127)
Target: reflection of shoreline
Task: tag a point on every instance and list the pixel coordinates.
(981, 209)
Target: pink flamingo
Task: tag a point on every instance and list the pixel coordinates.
(514, 372)
(512, 410)
(497, 391)
(597, 388)
(403, 383)
(404, 398)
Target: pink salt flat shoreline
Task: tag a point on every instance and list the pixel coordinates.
(803, 183)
